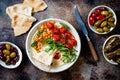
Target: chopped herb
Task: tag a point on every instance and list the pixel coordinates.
(39, 32)
(48, 49)
(65, 25)
(51, 44)
(33, 44)
(68, 55)
(49, 41)
(63, 49)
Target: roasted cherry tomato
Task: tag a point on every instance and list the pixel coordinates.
(56, 37)
(62, 40)
(57, 56)
(63, 29)
(68, 45)
(68, 35)
(50, 25)
(55, 30)
(73, 42)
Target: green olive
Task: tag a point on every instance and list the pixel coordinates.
(111, 24)
(97, 23)
(108, 26)
(7, 46)
(104, 23)
(6, 52)
(5, 55)
(7, 60)
(13, 54)
(110, 14)
(105, 29)
(106, 13)
(99, 30)
(111, 19)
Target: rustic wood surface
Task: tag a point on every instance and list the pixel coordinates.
(85, 67)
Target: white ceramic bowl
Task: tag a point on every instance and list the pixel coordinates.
(38, 64)
(17, 63)
(93, 10)
(104, 54)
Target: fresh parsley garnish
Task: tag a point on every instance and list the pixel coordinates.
(34, 44)
(39, 32)
(65, 25)
(68, 55)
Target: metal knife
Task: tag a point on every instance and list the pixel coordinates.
(85, 32)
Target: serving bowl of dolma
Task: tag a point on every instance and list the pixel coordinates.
(111, 49)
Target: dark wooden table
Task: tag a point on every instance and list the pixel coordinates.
(84, 68)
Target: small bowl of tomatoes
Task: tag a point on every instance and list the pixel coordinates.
(102, 19)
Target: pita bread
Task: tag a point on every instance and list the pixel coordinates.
(21, 23)
(21, 14)
(37, 5)
(44, 57)
(18, 8)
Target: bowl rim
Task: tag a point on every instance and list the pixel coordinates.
(20, 56)
(108, 60)
(93, 9)
(40, 22)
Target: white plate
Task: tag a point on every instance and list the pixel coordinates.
(40, 65)
(17, 63)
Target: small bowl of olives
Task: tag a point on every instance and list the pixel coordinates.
(10, 55)
(102, 19)
(111, 49)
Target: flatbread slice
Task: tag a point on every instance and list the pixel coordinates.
(37, 5)
(21, 23)
(18, 8)
(45, 57)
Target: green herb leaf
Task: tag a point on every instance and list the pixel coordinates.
(54, 46)
(49, 41)
(48, 49)
(39, 32)
(63, 49)
(68, 55)
(59, 44)
(65, 25)
(73, 58)
(66, 60)
(34, 44)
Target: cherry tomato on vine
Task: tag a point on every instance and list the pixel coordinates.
(91, 20)
(98, 11)
(100, 17)
(93, 15)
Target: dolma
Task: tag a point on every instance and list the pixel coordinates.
(112, 43)
(113, 54)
